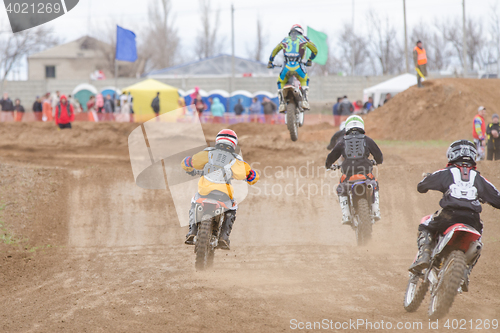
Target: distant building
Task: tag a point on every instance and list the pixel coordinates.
(219, 65)
(77, 60)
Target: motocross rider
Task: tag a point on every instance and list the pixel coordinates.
(219, 165)
(294, 48)
(462, 187)
(355, 147)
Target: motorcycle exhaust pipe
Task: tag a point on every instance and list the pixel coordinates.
(473, 251)
(369, 187)
(199, 213)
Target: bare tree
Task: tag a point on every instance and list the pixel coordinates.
(353, 48)
(452, 32)
(161, 46)
(384, 44)
(16, 47)
(256, 52)
(208, 42)
(495, 34)
(475, 42)
(333, 66)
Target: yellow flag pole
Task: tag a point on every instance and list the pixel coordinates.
(420, 73)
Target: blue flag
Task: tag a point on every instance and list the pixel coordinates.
(126, 49)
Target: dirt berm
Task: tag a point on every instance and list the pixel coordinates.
(442, 110)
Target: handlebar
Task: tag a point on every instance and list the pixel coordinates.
(195, 173)
(305, 64)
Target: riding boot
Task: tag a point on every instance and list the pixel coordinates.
(376, 207)
(226, 228)
(193, 227)
(424, 253)
(346, 211)
(305, 98)
(282, 107)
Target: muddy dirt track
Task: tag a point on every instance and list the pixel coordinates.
(91, 252)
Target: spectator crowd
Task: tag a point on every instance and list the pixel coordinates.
(62, 109)
(259, 110)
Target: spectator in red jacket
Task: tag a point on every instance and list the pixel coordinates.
(65, 114)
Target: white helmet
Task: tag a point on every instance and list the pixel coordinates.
(354, 122)
(342, 126)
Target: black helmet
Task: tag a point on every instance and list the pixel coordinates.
(462, 151)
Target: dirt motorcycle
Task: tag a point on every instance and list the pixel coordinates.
(209, 217)
(456, 252)
(360, 191)
(293, 95)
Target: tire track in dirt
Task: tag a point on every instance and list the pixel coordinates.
(125, 267)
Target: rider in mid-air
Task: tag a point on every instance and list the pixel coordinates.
(219, 165)
(294, 48)
(355, 147)
(462, 187)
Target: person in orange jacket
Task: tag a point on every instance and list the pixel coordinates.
(219, 165)
(65, 114)
(420, 60)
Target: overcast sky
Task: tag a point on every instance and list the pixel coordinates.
(277, 16)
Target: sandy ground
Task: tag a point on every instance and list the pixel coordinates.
(89, 251)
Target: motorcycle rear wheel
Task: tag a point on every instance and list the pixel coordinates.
(451, 278)
(415, 293)
(291, 120)
(204, 252)
(364, 228)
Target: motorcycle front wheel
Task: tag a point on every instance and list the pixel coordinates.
(450, 279)
(415, 292)
(291, 121)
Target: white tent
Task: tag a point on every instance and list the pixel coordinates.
(393, 86)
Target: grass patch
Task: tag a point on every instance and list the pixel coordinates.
(36, 248)
(6, 237)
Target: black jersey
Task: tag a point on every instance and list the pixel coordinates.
(356, 149)
(462, 187)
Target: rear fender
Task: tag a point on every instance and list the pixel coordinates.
(208, 207)
(362, 189)
(458, 236)
(292, 92)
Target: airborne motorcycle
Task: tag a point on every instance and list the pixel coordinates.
(456, 252)
(360, 199)
(293, 95)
